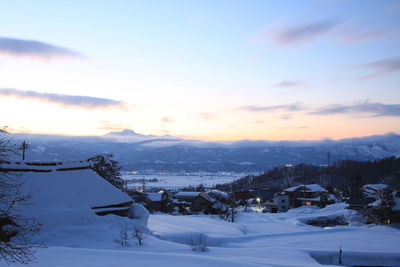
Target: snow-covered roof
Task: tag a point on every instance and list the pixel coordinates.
(41, 166)
(208, 197)
(309, 198)
(375, 187)
(218, 193)
(309, 188)
(66, 188)
(187, 194)
(154, 196)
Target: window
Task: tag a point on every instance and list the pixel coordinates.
(283, 201)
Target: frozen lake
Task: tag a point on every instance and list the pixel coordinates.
(175, 181)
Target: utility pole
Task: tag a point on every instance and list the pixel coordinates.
(24, 146)
(143, 184)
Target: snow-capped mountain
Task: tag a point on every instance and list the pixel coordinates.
(136, 151)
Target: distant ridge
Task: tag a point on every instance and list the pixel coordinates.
(166, 153)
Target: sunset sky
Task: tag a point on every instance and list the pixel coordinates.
(210, 70)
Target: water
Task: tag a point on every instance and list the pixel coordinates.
(175, 181)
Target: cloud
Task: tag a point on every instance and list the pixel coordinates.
(356, 35)
(88, 102)
(167, 120)
(306, 32)
(381, 67)
(207, 115)
(36, 49)
(295, 127)
(287, 83)
(290, 107)
(365, 108)
(287, 117)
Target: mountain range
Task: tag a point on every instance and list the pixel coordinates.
(136, 151)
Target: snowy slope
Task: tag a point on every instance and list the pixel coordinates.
(256, 239)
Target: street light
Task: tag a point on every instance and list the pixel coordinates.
(259, 201)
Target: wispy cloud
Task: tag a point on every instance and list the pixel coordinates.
(167, 119)
(366, 108)
(88, 102)
(288, 83)
(359, 34)
(290, 107)
(35, 49)
(381, 67)
(300, 33)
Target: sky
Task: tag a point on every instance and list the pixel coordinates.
(209, 70)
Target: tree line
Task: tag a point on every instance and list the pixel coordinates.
(344, 174)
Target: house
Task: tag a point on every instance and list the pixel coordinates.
(279, 203)
(58, 185)
(210, 202)
(263, 195)
(373, 190)
(359, 202)
(138, 196)
(157, 201)
(187, 196)
(306, 195)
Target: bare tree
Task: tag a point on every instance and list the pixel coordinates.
(15, 229)
(198, 242)
(139, 234)
(124, 237)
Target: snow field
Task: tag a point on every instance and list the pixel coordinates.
(256, 239)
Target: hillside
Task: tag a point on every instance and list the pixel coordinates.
(167, 153)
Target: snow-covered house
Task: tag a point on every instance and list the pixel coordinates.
(279, 203)
(373, 190)
(212, 201)
(57, 185)
(157, 201)
(306, 195)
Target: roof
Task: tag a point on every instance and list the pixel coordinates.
(309, 198)
(309, 188)
(359, 201)
(155, 196)
(40, 166)
(73, 187)
(218, 193)
(187, 194)
(375, 187)
(207, 197)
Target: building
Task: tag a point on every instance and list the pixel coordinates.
(306, 195)
(157, 201)
(279, 203)
(68, 185)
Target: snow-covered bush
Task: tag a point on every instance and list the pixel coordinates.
(198, 242)
(140, 213)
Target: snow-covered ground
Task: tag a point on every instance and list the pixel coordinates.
(175, 181)
(255, 239)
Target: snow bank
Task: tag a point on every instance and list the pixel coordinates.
(139, 213)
